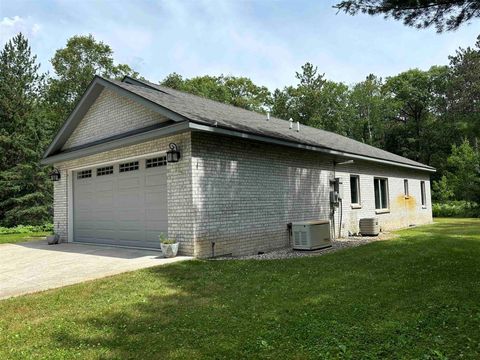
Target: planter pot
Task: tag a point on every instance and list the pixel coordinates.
(169, 250)
(53, 239)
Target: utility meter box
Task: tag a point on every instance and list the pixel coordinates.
(334, 197)
(336, 194)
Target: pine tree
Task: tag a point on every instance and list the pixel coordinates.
(25, 190)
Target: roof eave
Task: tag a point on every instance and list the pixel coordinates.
(117, 143)
(194, 126)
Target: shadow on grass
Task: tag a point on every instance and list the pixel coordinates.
(410, 297)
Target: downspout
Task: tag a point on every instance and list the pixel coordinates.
(332, 205)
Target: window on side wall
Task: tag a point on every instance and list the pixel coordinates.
(381, 193)
(422, 190)
(355, 189)
(405, 188)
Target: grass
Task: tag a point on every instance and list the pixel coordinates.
(414, 297)
(16, 238)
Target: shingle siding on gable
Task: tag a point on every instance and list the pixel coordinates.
(245, 193)
(111, 114)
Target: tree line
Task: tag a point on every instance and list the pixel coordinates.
(432, 116)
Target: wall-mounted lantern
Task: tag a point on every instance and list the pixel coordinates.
(173, 155)
(55, 175)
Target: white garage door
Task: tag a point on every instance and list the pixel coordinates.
(121, 204)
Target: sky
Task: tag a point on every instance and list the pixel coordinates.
(267, 40)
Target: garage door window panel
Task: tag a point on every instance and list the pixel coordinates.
(156, 162)
(130, 166)
(84, 174)
(107, 170)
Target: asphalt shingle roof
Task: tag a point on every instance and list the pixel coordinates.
(213, 113)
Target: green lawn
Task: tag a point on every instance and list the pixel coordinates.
(414, 297)
(16, 238)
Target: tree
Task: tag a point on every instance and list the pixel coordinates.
(237, 91)
(306, 97)
(444, 15)
(332, 111)
(463, 175)
(315, 101)
(25, 190)
(442, 191)
(75, 66)
(412, 98)
(463, 92)
(369, 111)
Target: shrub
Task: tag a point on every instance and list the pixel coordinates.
(23, 229)
(456, 209)
(164, 240)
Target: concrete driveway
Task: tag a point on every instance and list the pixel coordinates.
(36, 266)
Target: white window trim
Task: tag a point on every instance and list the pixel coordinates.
(407, 195)
(357, 205)
(423, 194)
(381, 210)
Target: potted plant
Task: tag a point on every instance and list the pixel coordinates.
(169, 247)
(54, 238)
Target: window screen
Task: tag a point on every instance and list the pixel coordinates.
(405, 187)
(130, 166)
(355, 189)
(154, 162)
(422, 189)
(381, 193)
(84, 174)
(107, 170)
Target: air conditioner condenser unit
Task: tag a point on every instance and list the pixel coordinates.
(311, 235)
(369, 226)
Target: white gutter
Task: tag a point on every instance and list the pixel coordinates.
(270, 140)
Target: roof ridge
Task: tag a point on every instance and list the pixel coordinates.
(157, 88)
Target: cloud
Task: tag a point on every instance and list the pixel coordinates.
(214, 37)
(263, 40)
(11, 26)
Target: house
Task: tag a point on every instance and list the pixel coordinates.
(241, 177)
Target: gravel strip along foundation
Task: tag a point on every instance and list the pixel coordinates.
(289, 253)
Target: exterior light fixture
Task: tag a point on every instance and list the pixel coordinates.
(173, 155)
(55, 175)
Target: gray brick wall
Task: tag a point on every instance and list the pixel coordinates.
(403, 211)
(111, 114)
(245, 193)
(60, 205)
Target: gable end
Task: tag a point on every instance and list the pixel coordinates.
(111, 114)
